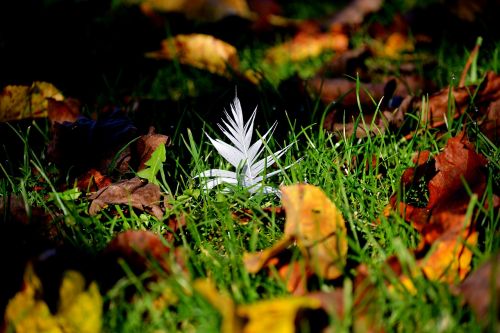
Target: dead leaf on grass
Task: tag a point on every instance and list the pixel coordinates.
(200, 51)
(315, 225)
(207, 10)
(482, 288)
(79, 310)
(284, 315)
(445, 227)
(305, 46)
(22, 102)
(134, 192)
(355, 12)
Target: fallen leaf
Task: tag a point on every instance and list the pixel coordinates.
(355, 12)
(138, 248)
(93, 181)
(443, 223)
(281, 315)
(207, 10)
(147, 144)
(80, 308)
(315, 225)
(305, 46)
(481, 290)
(318, 228)
(62, 111)
(134, 192)
(22, 102)
(200, 51)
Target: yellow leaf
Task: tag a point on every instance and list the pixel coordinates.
(277, 316)
(25, 313)
(200, 51)
(21, 102)
(80, 310)
(315, 225)
(318, 227)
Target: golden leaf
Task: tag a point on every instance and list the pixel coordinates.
(200, 51)
(277, 315)
(317, 227)
(21, 102)
(450, 259)
(207, 10)
(79, 310)
(305, 46)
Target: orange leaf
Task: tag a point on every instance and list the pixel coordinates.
(316, 226)
(305, 46)
(200, 51)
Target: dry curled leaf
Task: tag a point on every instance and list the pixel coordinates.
(134, 192)
(315, 225)
(200, 51)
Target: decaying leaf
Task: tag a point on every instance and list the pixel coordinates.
(200, 51)
(315, 225)
(80, 308)
(138, 247)
(147, 144)
(355, 12)
(482, 288)
(445, 227)
(305, 46)
(134, 192)
(207, 10)
(281, 315)
(21, 102)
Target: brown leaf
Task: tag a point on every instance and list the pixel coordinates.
(443, 223)
(61, 111)
(138, 247)
(93, 181)
(147, 144)
(481, 289)
(355, 12)
(200, 51)
(490, 126)
(134, 192)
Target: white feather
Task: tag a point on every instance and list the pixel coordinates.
(242, 154)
